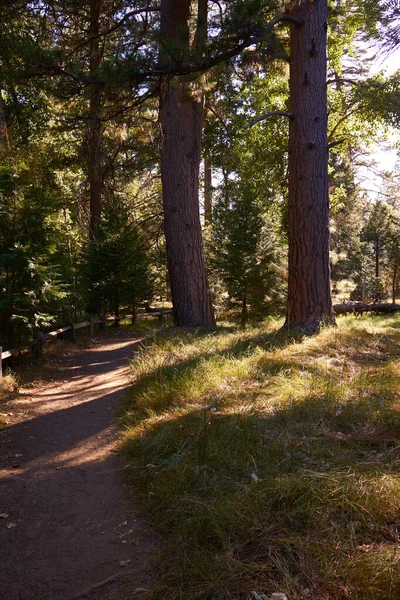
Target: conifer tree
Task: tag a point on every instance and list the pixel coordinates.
(181, 116)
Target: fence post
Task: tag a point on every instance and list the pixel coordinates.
(1, 364)
(39, 345)
(72, 333)
(103, 324)
(91, 326)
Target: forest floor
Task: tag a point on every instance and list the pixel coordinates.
(270, 462)
(264, 461)
(66, 523)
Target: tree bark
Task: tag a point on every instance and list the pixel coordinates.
(95, 129)
(309, 293)
(359, 308)
(181, 117)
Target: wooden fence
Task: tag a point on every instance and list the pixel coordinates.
(42, 337)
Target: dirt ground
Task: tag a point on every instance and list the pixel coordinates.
(67, 527)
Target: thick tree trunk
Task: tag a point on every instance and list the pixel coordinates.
(207, 191)
(181, 116)
(95, 129)
(309, 294)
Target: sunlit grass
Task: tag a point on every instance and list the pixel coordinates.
(270, 463)
(8, 385)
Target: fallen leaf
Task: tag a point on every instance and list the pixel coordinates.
(124, 563)
(4, 515)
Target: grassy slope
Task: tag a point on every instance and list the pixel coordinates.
(270, 463)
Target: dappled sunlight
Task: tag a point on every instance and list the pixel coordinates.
(278, 460)
(90, 451)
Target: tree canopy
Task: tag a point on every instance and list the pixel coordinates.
(96, 102)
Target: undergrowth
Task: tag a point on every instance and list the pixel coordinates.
(271, 463)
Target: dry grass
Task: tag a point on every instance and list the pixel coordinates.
(9, 387)
(271, 463)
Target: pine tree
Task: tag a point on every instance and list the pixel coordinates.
(117, 269)
(181, 116)
(309, 294)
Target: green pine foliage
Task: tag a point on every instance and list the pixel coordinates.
(117, 269)
(245, 255)
(35, 282)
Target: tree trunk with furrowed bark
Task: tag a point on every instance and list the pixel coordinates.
(309, 294)
(181, 116)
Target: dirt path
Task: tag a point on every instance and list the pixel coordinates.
(69, 525)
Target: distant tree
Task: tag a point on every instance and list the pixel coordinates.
(346, 222)
(376, 234)
(117, 269)
(246, 254)
(394, 258)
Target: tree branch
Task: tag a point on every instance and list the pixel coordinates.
(340, 80)
(281, 113)
(336, 143)
(116, 26)
(251, 40)
(141, 76)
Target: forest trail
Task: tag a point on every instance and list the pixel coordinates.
(70, 525)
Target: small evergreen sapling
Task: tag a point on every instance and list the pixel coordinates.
(117, 265)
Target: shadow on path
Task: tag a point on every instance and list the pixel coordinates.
(69, 525)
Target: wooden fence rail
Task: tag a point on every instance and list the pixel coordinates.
(42, 337)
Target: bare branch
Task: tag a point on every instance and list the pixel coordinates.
(340, 80)
(336, 143)
(281, 113)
